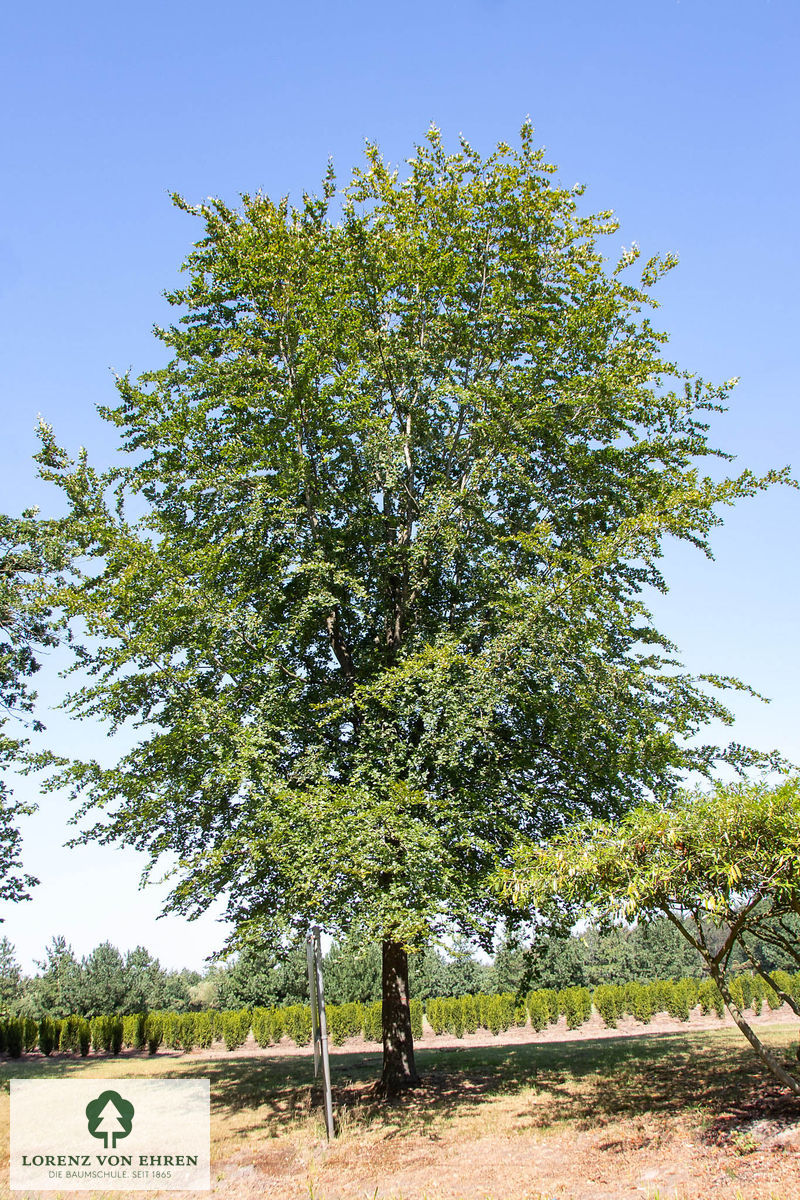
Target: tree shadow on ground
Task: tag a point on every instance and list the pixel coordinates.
(587, 1083)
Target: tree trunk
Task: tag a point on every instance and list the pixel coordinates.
(769, 1060)
(399, 1070)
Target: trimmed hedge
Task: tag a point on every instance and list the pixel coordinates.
(344, 1021)
(236, 1027)
(576, 1005)
(456, 1015)
(373, 1021)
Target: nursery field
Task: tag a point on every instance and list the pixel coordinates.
(587, 1114)
(541, 1009)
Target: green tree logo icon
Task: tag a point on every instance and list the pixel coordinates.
(109, 1116)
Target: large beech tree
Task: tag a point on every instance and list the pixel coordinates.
(370, 584)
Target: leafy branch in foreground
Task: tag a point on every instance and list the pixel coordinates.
(721, 865)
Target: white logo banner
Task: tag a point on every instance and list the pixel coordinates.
(110, 1134)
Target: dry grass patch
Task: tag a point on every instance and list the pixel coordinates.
(687, 1115)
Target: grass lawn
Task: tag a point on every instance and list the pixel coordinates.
(688, 1115)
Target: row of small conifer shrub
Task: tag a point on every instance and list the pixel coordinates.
(545, 1006)
(454, 1015)
(679, 999)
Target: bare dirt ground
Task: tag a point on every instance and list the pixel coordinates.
(667, 1111)
(657, 1125)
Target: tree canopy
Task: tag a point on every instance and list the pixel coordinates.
(370, 582)
(31, 550)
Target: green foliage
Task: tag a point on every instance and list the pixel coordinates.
(268, 1026)
(32, 551)
(107, 1033)
(116, 1035)
(608, 956)
(609, 1000)
(171, 1028)
(352, 972)
(469, 1005)
(551, 996)
(30, 1033)
(76, 1035)
(104, 982)
(719, 865)
(691, 985)
(576, 1005)
(456, 1015)
(58, 991)
(745, 990)
(153, 1031)
(538, 1009)
(69, 1034)
(134, 1033)
(678, 1001)
(47, 1036)
(510, 967)
(782, 981)
(344, 1021)
(774, 947)
(177, 989)
(263, 975)
(639, 1001)
(497, 1014)
(554, 960)
(231, 1031)
(617, 954)
(203, 1029)
(657, 951)
(705, 852)
(186, 1032)
(261, 1025)
(373, 1021)
(10, 979)
(147, 987)
(661, 992)
(461, 974)
(279, 1023)
(236, 1027)
(15, 1036)
(297, 1023)
(434, 1011)
(370, 578)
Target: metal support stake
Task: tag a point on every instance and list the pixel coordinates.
(312, 991)
(323, 1031)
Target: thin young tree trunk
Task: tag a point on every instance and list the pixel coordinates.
(399, 1070)
(767, 1057)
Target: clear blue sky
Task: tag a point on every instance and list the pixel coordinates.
(681, 115)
